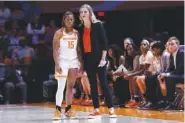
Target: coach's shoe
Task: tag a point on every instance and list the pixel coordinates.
(57, 115)
(94, 114)
(70, 114)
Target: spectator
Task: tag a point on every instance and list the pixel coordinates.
(126, 41)
(175, 72)
(36, 29)
(50, 31)
(121, 86)
(3, 46)
(115, 59)
(24, 53)
(14, 40)
(147, 84)
(5, 14)
(145, 62)
(2, 76)
(48, 88)
(86, 88)
(17, 13)
(14, 80)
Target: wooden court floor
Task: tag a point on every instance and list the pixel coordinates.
(164, 115)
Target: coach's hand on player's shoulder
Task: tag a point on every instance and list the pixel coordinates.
(58, 69)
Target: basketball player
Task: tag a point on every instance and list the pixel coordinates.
(67, 59)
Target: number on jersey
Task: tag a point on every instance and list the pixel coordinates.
(71, 44)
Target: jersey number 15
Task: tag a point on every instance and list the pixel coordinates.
(71, 44)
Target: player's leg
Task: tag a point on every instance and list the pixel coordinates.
(71, 79)
(61, 79)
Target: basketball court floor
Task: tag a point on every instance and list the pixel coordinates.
(42, 113)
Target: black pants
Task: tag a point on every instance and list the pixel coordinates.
(48, 89)
(171, 82)
(121, 89)
(153, 92)
(91, 67)
(10, 87)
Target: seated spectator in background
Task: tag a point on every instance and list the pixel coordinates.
(121, 86)
(5, 14)
(175, 72)
(165, 59)
(23, 53)
(14, 80)
(86, 88)
(115, 59)
(3, 46)
(126, 41)
(19, 27)
(1, 56)
(4, 42)
(36, 30)
(14, 40)
(2, 75)
(17, 13)
(49, 88)
(153, 93)
(1, 96)
(86, 98)
(147, 83)
(50, 31)
(151, 41)
(145, 62)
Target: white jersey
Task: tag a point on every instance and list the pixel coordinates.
(68, 46)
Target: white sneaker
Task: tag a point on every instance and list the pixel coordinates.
(94, 114)
(112, 114)
(57, 115)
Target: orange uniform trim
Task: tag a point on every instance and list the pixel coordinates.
(60, 76)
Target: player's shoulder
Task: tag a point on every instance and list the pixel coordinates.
(75, 31)
(59, 31)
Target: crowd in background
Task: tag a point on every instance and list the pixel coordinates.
(27, 67)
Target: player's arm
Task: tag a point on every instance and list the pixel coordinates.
(79, 51)
(56, 46)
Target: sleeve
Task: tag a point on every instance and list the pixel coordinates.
(136, 63)
(149, 59)
(103, 37)
(14, 54)
(140, 60)
(41, 31)
(29, 29)
(32, 53)
(167, 58)
(164, 62)
(170, 65)
(180, 68)
(7, 13)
